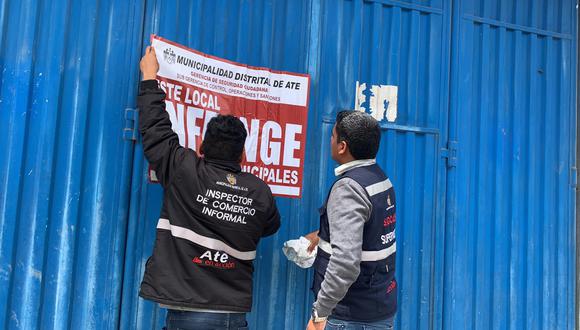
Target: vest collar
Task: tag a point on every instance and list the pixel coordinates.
(354, 164)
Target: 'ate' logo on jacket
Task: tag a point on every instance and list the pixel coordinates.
(214, 259)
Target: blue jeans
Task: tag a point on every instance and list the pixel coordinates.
(335, 324)
(181, 320)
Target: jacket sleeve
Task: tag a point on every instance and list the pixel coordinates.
(160, 143)
(272, 224)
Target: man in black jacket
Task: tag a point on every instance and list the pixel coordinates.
(212, 218)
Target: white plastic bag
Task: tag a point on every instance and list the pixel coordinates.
(296, 250)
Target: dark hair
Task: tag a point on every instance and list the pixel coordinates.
(360, 131)
(224, 138)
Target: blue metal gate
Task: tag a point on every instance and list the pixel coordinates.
(482, 153)
(301, 37)
(64, 166)
(474, 80)
(272, 34)
(402, 44)
(510, 234)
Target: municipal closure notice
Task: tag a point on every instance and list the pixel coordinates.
(273, 106)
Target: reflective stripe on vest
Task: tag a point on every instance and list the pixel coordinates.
(207, 242)
(379, 187)
(366, 255)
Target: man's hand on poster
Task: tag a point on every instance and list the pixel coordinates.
(149, 65)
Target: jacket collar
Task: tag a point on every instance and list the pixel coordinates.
(225, 165)
(354, 164)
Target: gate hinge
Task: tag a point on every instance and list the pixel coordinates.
(450, 153)
(574, 177)
(131, 129)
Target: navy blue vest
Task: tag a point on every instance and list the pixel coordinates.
(373, 296)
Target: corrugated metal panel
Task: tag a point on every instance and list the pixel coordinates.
(377, 43)
(510, 258)
(271, 34)
(64, 166)
(403, 44)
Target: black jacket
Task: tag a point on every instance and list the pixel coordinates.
(212, 219)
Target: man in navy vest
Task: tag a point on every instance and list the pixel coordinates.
(354, 271)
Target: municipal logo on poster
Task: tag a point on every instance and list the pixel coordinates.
(169, 55)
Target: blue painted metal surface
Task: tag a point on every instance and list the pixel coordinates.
(393, 43)
(319, 47)
(481, 153)
(510, 236)
(272, 34)
(64, 167)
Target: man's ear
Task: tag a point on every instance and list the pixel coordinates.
(201, 149)
(342, 147)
